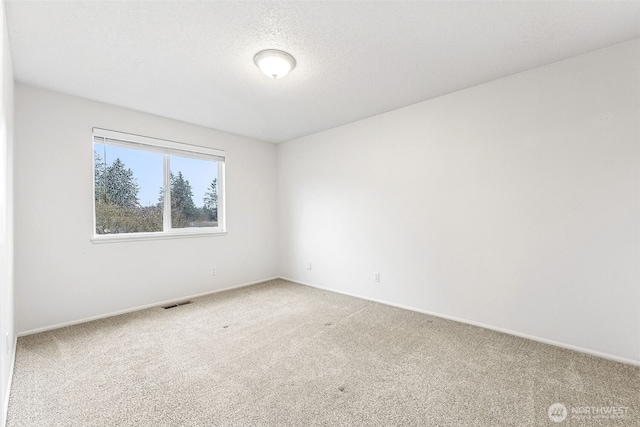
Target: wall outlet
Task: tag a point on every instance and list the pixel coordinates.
(376, 277)
(309, 266)
(213, 271)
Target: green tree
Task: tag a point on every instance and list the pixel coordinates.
(120, 185)
(211, 200)
(183, 209)
(98, 178)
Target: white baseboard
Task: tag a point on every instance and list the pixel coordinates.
(5, 404)
(137, 308)
(481, 325)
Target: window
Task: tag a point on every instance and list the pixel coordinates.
(146, 188)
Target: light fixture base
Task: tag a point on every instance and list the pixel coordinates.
(274, 63)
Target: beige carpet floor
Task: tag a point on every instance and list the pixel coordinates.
(283, 354)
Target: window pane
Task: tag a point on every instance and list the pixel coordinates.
(128, 184)
(194, 192)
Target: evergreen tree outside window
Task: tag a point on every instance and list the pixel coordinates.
(211, 200)
(146, 187)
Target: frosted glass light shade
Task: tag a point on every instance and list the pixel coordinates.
(274, 63)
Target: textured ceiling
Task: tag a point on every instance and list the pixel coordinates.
(192, 60)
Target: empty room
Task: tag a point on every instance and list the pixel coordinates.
(320, 213)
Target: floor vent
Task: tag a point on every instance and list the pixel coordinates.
(178, 304)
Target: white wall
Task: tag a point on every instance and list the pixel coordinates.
(62, 277)
(514, 204)
(7, 330)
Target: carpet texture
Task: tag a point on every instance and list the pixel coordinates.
(283, 354)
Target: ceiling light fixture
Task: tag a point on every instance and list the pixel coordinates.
(274, 63)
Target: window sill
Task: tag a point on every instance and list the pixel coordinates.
(134, 237)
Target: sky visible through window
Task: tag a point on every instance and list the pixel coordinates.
(147, 167)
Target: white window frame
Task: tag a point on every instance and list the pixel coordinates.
(166, 148)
